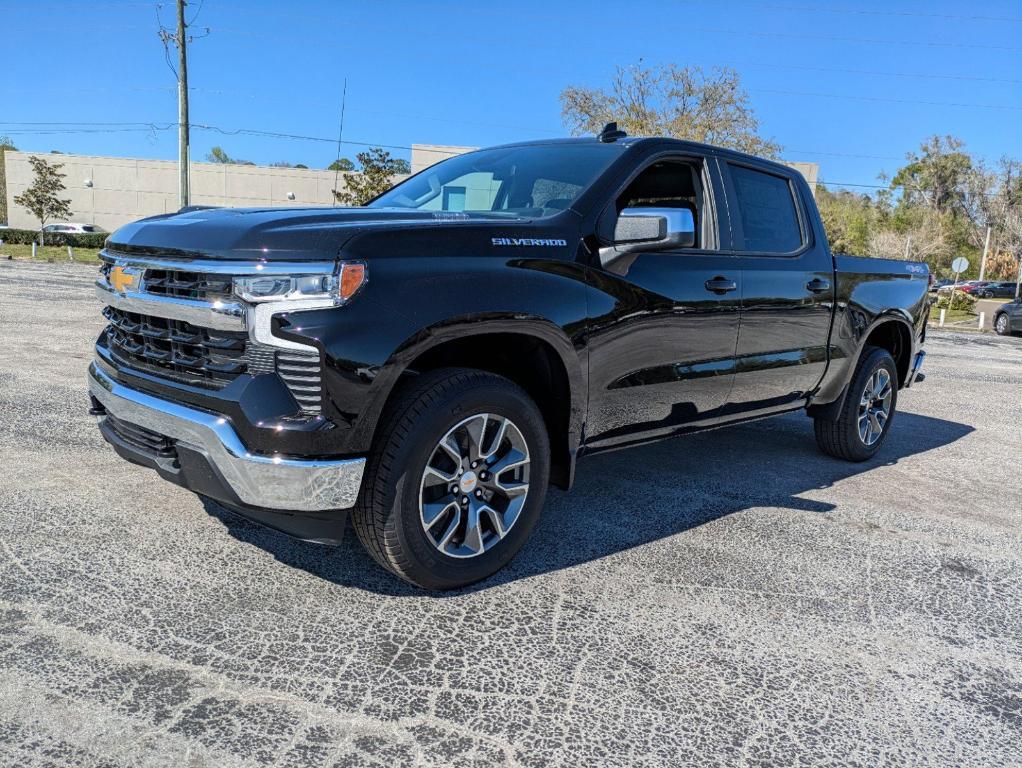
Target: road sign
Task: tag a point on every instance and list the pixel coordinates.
(960, 264)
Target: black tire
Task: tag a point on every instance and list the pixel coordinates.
(1002, 328)
(840, 438)
(387, 517)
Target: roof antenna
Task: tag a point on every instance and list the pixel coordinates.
(340, 136)
(610, 133)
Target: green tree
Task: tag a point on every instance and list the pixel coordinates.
(5, 144)
(378, 170)
(849, 219)
(218, 155)
(41, 198)
(936, 176)
(341, 164)
(668, 100)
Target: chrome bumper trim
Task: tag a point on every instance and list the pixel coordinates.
(220, 315)
(272, 482)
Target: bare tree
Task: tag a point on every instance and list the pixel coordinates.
(668, 100)
(1011, 240)
(922, 242)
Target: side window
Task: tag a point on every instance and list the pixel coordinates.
(667, 184)
(554, 195)
(767, 210)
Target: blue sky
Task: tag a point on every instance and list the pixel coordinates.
(850, 85)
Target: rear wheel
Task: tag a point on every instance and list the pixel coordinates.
(867, 411)
(456, 480)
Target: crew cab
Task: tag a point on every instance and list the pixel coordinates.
(426, 365)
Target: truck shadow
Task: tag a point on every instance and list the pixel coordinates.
(633, 497)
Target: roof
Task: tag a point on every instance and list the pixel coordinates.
(636, 141)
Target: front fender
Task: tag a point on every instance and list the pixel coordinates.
(411, 305)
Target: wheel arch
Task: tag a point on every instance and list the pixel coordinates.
(892, 331)
(532, 352)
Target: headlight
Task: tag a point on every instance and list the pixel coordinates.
(338, 287)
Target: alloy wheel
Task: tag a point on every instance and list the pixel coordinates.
(474, 485)
(875, 406)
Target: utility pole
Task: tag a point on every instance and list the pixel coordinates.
(908, 246)
(986, 250)
(182, 102)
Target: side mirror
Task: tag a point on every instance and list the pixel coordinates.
(650, 229)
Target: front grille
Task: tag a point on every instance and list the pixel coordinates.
(187, 285)
(176, 349)
(201, 356)
(300, 371)
(142, 438)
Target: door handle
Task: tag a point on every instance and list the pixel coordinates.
(720, 285)
(818, 286)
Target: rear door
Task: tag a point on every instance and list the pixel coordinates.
(787, 290)
(663, 328)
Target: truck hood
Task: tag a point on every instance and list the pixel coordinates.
(275, 234)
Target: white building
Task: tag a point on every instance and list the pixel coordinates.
(111, 191)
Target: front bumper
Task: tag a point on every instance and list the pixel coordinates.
(294, 495)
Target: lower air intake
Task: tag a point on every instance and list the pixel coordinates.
(300, 371)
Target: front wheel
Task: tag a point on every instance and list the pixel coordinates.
(456, 480)
(867, 411)
(1002, 325)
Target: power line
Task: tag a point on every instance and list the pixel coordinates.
(907, 14)
(865, 40)
(876, 73)
(885, 99)
(300, 137)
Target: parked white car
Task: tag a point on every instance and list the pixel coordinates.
(72, 228)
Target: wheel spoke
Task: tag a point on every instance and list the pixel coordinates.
(473, 531)
(864, 427)
(452, 449)
(435, 511)
(476, 431)
(498, 439)
(883, 380)
(512, 459)
(438, 475)
(511, 490)
(496, 519)
(449, 532)
(875, 426)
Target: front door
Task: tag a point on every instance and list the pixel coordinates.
(663, 329)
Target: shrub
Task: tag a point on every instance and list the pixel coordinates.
(962, 301)
(74, 239)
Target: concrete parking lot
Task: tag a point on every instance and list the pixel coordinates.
(734, 598)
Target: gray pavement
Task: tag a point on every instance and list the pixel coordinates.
(729, 599)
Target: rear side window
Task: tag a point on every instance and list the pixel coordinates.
(767, 209)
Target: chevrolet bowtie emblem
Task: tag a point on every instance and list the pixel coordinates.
(123, 278)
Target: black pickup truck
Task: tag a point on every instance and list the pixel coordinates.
(430, 362)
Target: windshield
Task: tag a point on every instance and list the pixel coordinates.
(530, 181)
